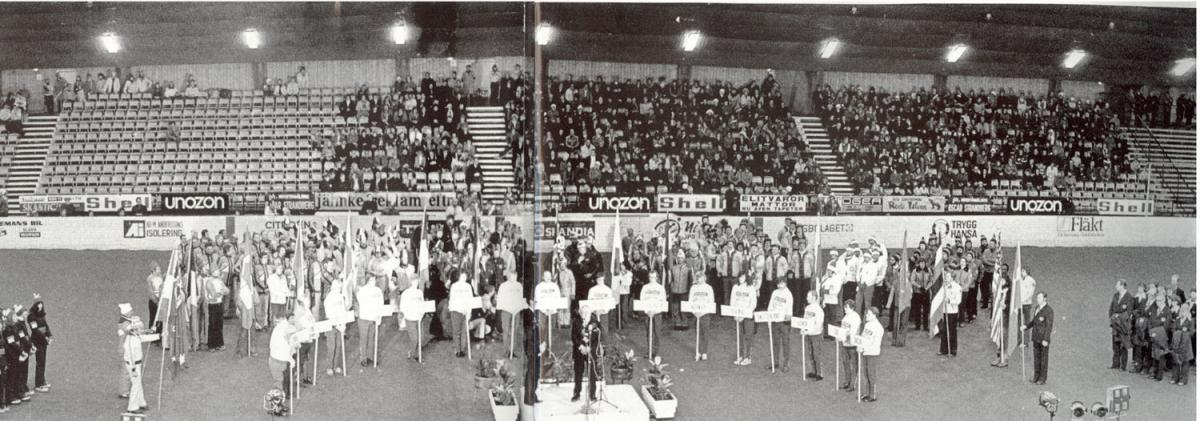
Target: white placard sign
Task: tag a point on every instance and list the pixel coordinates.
(548, 298)
(322, 326)
(855, 340)
(462, 300)
(510, 297)
(653, 300)
(806, 326)
(413, 304)
(739, 312)
(700, 301)
(603, 296)
(837, 332)
(769, 316)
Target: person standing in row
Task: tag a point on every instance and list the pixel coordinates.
(813, 312)
(1181, 344)
(41, 335)
(154, 284)
(744, 296)
(852, 324)
(921, 279)
(1120, 318)
(130, 329)
(872, 336)
(214, 297)
(953, 298)
(25, 350)
(1042, 326)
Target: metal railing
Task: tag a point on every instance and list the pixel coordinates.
(1178, 174)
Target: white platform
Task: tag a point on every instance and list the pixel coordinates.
(556, 405)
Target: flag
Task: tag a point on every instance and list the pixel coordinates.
(1014, 299)
(937, 306)
(818, 268)
(423, 259)
(999, 333)
(618, 250)
(298, 264)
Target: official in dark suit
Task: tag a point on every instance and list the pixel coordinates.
(532, 349)
(585, 348)
(1042, 324)
(1159, 324)
(1120, 318)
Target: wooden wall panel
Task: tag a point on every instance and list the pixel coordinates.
(611, 70)
(988, 83)
(892, 82)
(337, 73)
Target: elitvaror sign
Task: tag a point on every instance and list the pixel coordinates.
(1126, 207)
(772, 203)
(691, 203)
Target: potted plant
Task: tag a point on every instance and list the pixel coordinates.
(620, 366)
(486, 372)
(657, 390)
(502, 396)
(558, 369)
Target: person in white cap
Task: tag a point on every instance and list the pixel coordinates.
(130, 330)
(831, 288)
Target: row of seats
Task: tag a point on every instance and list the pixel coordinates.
(142, 167)
(267, 146)
(198, 123)
(226, 139)
(234, 101)
(246, 93)
(67, 118)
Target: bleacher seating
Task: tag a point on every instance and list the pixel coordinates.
(245, 142)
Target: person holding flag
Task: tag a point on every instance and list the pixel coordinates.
(944, 314)
(900, 297)
(1000, 312)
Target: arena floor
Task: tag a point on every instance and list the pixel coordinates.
(82, 288)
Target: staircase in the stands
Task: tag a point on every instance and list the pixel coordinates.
(486, 125)
(26, 166)
(822, 148)
(1172, 156)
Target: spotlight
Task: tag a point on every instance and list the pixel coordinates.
(399, 33)
(829, 47)
(111, 42)
(545, 32)
(956, 52)
(1077, 410)
(1098, 409)
(252, 38)
(1049, 402)
(691, 39)
(1073, 58)
(1183, 66)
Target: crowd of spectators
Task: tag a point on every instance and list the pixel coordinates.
(929, 141)
(416, 127)
(59, 89)
(690, 136)
(1154, 109)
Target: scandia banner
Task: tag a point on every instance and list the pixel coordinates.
(772, 203)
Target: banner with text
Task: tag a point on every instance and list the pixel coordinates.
(914, 204)
(691, 203)
(860, 204)
(53, 203)
(549, 229)
(194, 203)
(772, 203)
(394, 201)
(969, 205)
(294, 202)
(1127, 207)
(610, 204)
(1039, 205)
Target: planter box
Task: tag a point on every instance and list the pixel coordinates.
(503, 413)
(660, 409)
(484, 383)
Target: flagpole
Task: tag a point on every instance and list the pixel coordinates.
(166, 325)
(771, 339)
(737, 328)
(837, 361)
(803, 358)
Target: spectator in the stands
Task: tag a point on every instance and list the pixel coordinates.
(170, 91)
(47, 94)
(61, 86)
(302, 77)
(3, 203)
(292, 87)
(192, 90)
(141, 84)
(494, 85)
(131, 86)
(470, 83)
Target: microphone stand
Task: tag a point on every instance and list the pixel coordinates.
(593, 372)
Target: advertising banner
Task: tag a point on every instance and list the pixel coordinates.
(1126, 207)
(772, 203)
(691, 203)
(914, 204)
(99, 203)
(391, 201)
(549, 229)
(1039, 206)
(294, 202)
(610, 204)
(860, 204)
(102, 232)
(969, 205)
(194, 203)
